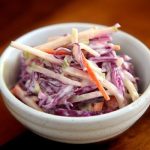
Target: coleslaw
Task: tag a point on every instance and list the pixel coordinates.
(77, 74)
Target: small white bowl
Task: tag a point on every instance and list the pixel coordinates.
(76, 129)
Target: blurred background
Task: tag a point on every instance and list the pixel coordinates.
(21, 16)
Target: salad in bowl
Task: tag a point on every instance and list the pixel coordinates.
(76, 74)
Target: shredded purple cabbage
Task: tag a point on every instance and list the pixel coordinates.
(117, 79)
(103, 59)
(74, 113)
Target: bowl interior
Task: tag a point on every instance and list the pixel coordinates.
(129, 45)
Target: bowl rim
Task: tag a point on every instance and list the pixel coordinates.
(120, 112)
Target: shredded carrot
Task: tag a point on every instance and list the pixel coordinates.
(19, 93)
(94, 78)
(98, 106)
(13, 91)
(61, 52)
(117, 47)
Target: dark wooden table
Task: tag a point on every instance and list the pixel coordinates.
(19, 17)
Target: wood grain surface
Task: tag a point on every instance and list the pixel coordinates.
(21, 16)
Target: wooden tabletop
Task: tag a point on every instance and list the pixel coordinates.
(19, 17)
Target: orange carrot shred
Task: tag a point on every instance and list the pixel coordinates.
(94, 78)
(98, 106)
(117, 47)
(61, 52)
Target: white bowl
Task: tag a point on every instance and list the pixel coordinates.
(76, 129)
